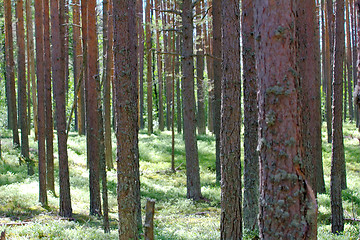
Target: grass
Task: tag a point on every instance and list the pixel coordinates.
(175, 216)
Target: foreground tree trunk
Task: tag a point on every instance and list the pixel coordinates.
(287, 197)
(308, 59)
(22, 86)
(39, 32)
(192, 159)
(92, 121)
(10, 72)
(337, 153)
(251, 156)
(230, 154)
(126, 100)
(58, 70)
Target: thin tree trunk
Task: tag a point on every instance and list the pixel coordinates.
(191, 149)
(149, 66)
(84, 30)
(39, 31)
(50, 182)
(349, 62)
(354, 51)
(10, 72)
(308, 59)
(251, 156)
(178, 89)
(140, 29)
(106, 81)
(216, 8)
(330, 30)
(22, 86)
(31, 63)
(58, 70)
(159, 67)
(230, 153)
(126, 95)
(337, 153)
(210, 73)
(78, 60)
(280, 145)
(201, 120)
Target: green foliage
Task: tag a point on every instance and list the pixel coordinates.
(176, 217)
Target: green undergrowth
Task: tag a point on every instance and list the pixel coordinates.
(176, 217)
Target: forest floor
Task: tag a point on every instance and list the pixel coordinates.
(175, 216)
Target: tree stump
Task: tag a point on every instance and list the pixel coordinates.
(149, 219)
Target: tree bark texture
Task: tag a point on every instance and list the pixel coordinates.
(92, 120)
(349, 62)
(337, 153)
(330, 28)
(141, 61)
(308, 60)
(126, 95)
(191, 149)
(149, 66)
(287, 203)
(217, 74)
(31, 62)
(108, 65)
(201, 119)
(10, 72)
(22, 85)
(230, 154)
(251, 156)
(159, 67)
(39, 33)
(58, 71)
(49, 134)
(77, 65)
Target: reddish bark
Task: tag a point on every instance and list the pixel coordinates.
(92, 120)
(22, 86)
(217, 74)
(149, 66)
(288, 206)
(10, 74)
(126, 101)
(39, 33)
(58, 71)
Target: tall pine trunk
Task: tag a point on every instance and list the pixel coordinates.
(92, 121)
(10, 73)
(337, 153)
(58, 71)
(230, 153)
(288, 207)
(251, 156)
(191, 149)
(39, 32)
(22, 86)
(126, 101)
